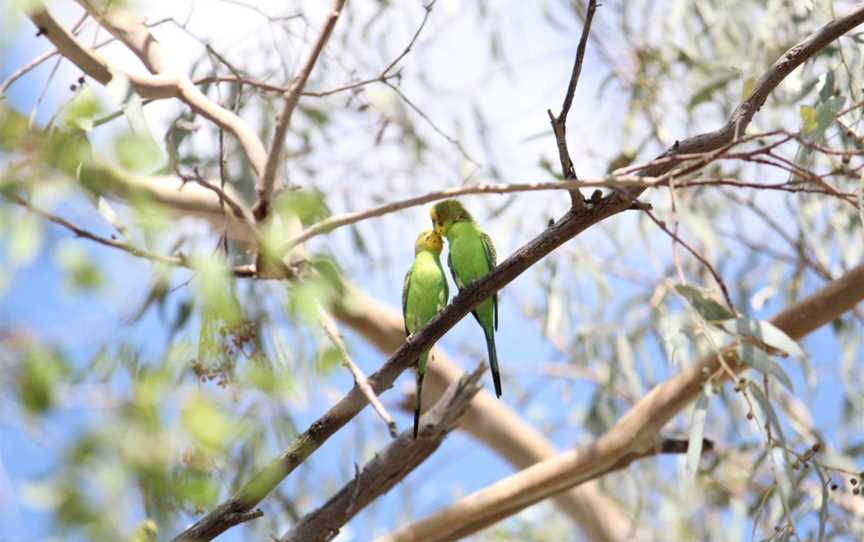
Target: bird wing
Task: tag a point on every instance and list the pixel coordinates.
(492, 260)
(459, 283)
(406, 284)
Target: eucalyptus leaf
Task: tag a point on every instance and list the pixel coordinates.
(709, 309)
(763, 334)
(763, 363)
(696, 432)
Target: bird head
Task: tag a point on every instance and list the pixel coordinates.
(428, 240)
(446, 213)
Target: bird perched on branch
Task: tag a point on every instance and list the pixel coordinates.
(424, 294)
(471, 256)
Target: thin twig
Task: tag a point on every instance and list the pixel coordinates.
(695, 253)
(612, 181)
(238, 271)
(267, 180)
(559, 123)
(329, 327)
(81, 232)
(428, 10)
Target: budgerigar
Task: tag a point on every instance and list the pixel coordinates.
(471, 255)
(424, 294)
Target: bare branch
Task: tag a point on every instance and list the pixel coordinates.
(334, 222)
(390, 465)
(85, 234)
(329, 327)
(267, 179)
(428, 11)
(92, 63)
(450, 139)
(635, 433)
(717, 278)
(240, 271)
(559, 123)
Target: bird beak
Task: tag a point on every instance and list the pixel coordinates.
(439, 228)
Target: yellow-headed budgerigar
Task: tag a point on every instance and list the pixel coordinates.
(424, 294)
(471, 255)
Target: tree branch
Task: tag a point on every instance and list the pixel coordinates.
(329, 327)
(132, 33)
(559, 123)
(334, 222)
(390, 465)
(239, 271)
(267, 180)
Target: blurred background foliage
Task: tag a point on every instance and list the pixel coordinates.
(137, 395)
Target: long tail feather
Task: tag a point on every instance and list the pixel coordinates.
(493, 359)
(417, 405)
(421, 373)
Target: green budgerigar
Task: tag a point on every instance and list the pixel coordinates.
(424, 294)
(471, 255)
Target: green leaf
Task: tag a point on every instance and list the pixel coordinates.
(709, 309)
(81, 272)
(707, 92)
(66, 151)
(138, 153)
(146, 531)
(39, 374)
(24, 240)
(198, 488)
(82, 110)
(316, 115)
(808, 118)
(14, 129)
(209, 344)
(329, 358)
(307, 205)
(205, 422)
(763, 363)
(321, 288)
(697, 430)
(779, 459)
(216, 289)
(765, 335)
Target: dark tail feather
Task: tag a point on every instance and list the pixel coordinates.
(493, 359)
(417, 403)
